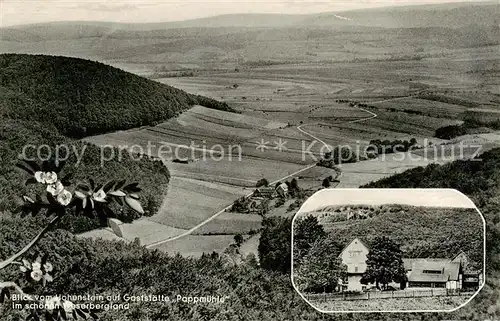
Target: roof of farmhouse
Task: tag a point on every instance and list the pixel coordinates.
(421, 271)
(265, 191)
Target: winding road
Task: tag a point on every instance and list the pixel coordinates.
(211, 218)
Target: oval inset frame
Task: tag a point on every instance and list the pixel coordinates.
(445, 198)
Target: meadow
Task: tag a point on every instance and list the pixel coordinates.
(415, 81)
(423, 304)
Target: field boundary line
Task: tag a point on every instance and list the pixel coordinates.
(190, 231)
(211, 218)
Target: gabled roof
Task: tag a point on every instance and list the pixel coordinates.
(449, 270)
(356, 239)
(265, 191)
(408, 263)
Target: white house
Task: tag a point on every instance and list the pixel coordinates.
(421, 272)
(354, 256)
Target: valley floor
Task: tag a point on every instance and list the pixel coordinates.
(288, 118)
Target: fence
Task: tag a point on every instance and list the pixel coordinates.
(407, 293)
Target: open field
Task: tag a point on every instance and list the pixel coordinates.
(189, 202)
(278, 80)
(407, 304)
(231, 223)
(196, 245)
(423, 106)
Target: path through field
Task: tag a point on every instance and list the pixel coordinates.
(193, 229)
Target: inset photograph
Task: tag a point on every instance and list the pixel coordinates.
(388, 250)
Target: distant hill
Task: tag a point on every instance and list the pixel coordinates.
(449, 15)
(82, 97)
(421, 231)
(47, 100)
(332, 36)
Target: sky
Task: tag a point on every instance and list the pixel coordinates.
(415, 197)
(16, 12)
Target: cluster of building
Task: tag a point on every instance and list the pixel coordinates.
(266, 193)
(452, 274)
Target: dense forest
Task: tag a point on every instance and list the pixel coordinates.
(421, 231)
(254, 293)
(82, 98)
(48, 101)
(31, 102)
(473, 124)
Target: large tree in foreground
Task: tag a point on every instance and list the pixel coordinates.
(275, 244)
(306, 231)
(321, 268)
(384, 263)
(55, 196)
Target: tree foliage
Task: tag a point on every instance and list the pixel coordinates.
(321, 268)
(275, 244)
(384, 263)
(82, 98)
(306, 231)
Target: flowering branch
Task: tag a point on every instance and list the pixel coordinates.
(4, 285)
(14, 257)
(90, 200)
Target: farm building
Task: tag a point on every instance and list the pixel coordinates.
(443, 273)
(282, 190)
(435, 273)
(451, 274)
(354, 256)
(265, 192)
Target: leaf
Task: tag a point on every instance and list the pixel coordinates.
(49, 316)
(63, 313)
(5, 293)
(93, 315)
(132, 188)
(84, 187)
(30, 181)
(84, 203)
(33, 165)
(66, 180)
(108, 186)
(120, 184)
(134, 204)
(80, 195)
(78, 208)
(28, 199)
(120, 201)
(25, 168)
(81, 314)
(51, 199)
(117, 193)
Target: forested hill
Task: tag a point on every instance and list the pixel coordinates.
(81, 97)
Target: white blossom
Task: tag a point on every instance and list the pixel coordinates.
(40, 177)
(47, 267)
(36, 275)
(52, 303)
(48, 278)
(36, 266)
(50, 178)
(56, 188)
(64, 198)
(99, 196)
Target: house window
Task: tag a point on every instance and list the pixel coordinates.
(432, 271)
(354, 253)
(355, 269)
